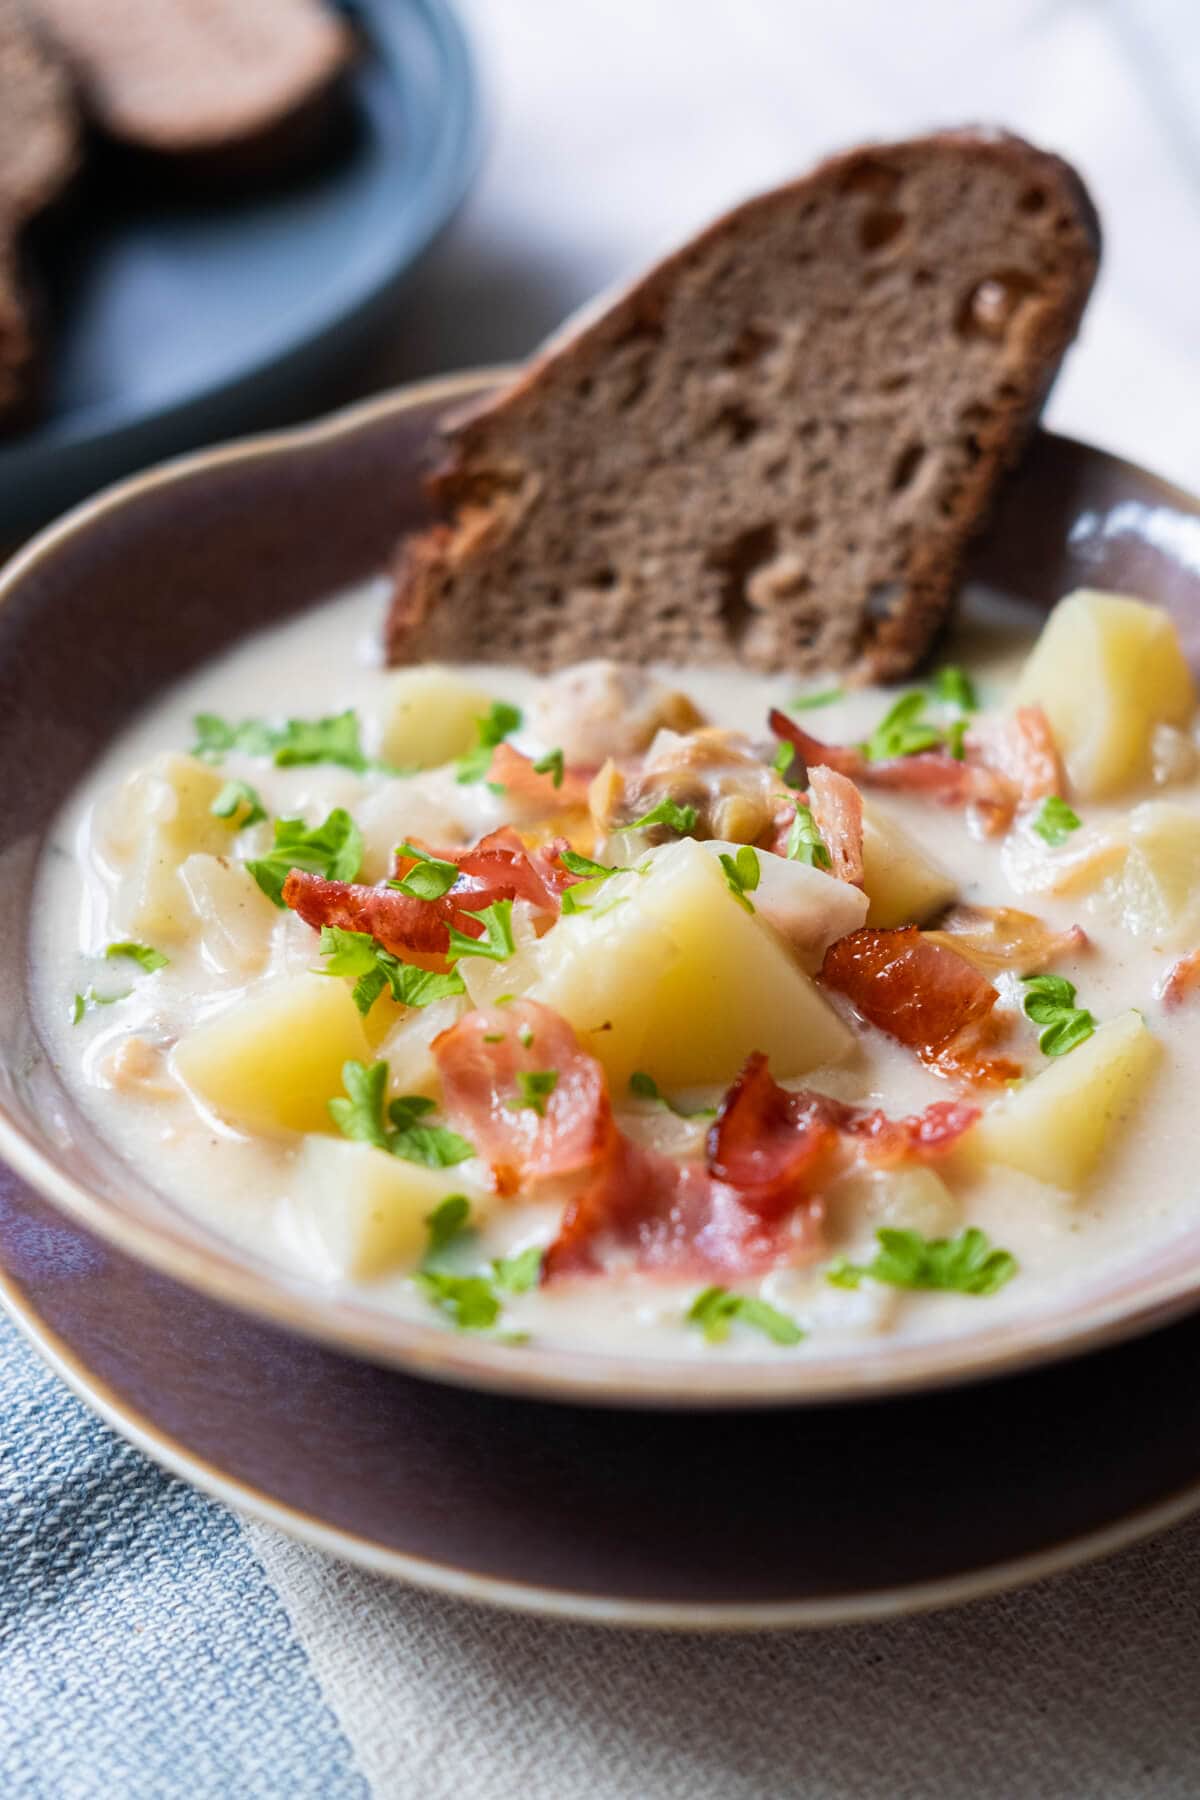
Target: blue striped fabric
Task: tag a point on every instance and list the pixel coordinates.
(143, 1652)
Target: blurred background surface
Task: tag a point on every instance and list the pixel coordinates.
(615, 127)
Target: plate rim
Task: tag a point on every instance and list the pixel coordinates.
(430, 1350)
(455, 154)
(872, 1606)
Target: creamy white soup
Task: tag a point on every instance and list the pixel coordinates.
(664, 1011)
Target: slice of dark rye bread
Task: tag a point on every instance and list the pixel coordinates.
(39, 149)
(775, 446)
(227, 87)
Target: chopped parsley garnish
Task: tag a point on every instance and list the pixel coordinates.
(902, 731)
(583, 865)
(469, 1300)
(1050, 1002)
(331, 740)
(497, 942)
(144, 955)
(551, 764)
(680, 819)
(430, 877)
(333, 849)
(956, 732)
(646, 1088)
(360, 1115)
(784, 757)
(824, 697)
(448, 1220)
(1055, 820)
(358, 956)
(804, 842)
(955, 687)
(240, 803)
(967, 1264)
(84, 1002)
(517, 1274)
(742, 874)
(534, 1088)
(715, 1310)
(498, 724)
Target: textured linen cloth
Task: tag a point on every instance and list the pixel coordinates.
(150, 1643)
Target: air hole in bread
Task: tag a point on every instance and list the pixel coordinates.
(906, 466)
(880, 227)
(805, 525)
(639, 381)
(603, 579)
(1033, 200)
(883, 598)
(734, 422)
(873, 178)
(583, 388)
(895, 384)
(990, 306)
(736, 562)
(1008, 392)
(749, 347)
(922, 278)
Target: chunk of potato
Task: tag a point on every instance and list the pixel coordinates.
(235, 917)
(430, 717)
(810, 908)
(366, 1212)
(903, 885)
(1106, 670)
(668, 973)
(275, 1058)
(164, 814)
(1057, 1127)
(1159, 886)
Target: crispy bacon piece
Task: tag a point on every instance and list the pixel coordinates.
(515, 773)
(1003, 937)
(417, 931)
(1020, 748)
(480, 1058)
(924, 995)
(499, 866)
(933, 772)
(837, 811)
(775, 1146)
(1180, 980)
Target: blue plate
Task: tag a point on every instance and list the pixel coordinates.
(178, 320)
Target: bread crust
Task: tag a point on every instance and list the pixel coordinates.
(987, 325)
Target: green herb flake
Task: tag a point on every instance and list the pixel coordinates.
(357, 956)
(804, 842)
(91, 997)
(967, 1264)
(517, 1274)
(576, 864)
(360, 1115)
(715, 1310)
(429, 878)
(646, 1088)
(743, 873)
(902, 731)
(1055, 820)
(469, 1300)
(240, 803)
(500, 722)
(784, 757)
(144, 955)
(823, 697)
(953, 685)
(1050, 1002)
(551, 764)
(215, 737)
(331, 740)
(449, 1219)
(534, 1088)
(333, 849)
(497, 944)
(680, 819)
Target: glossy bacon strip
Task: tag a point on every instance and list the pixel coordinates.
(1002, 937)
(499, 866)
(417, 931)
(1181, 980)
(933, 772)
(1019, 747)
(837, 811)
(924, 995)
(515, 773)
